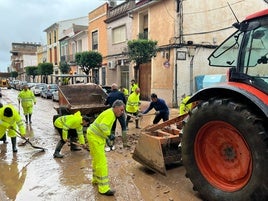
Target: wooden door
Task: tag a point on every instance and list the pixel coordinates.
(145, 81)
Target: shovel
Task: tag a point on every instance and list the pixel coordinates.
(28, 141)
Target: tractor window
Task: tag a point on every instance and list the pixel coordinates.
(255, 60)
(226, 54)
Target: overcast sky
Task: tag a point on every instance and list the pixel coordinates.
(26, 20)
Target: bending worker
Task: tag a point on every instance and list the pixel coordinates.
(97, 134)
(27, 99)
(70, 127)
(10, 120)
(161, 108)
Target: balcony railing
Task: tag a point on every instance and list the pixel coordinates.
(68, 58)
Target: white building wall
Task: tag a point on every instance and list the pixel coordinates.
(29, 60)
(207, 22)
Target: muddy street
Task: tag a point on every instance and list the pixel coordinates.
(31, 174)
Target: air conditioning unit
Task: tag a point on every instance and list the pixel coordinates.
(111, 65)
(112, 3)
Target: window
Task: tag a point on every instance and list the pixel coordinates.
(95, 40)
(79, 46)
(55, 56)
(50, 42)
(143, 26)
(55, 36)
(119, 34)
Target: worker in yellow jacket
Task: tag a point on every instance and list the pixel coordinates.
(132, 106)
(10, 121)
(134, 86)
(124, 90)
(185, 108)
(27, 99)
(70, 127)
(97, 134)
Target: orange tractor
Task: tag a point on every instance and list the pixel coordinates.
(223, 141)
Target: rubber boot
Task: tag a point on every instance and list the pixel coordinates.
(14, 144)
(127, 120)
(26, 119)
(4, 139)
(30, 118)
(124, 139)
(137, 123)
(74, 147)
(58, 149)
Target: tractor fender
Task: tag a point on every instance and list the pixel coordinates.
(245, 93)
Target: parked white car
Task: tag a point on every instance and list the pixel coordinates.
(38, 88)
(55, 96)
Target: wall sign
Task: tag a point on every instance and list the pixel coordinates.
(166, 64)
(181, 55)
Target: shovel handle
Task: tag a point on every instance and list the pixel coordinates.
(27, 140)
(80, 145)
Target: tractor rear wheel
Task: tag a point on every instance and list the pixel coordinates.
(224, 151)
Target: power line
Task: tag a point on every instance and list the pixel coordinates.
(206, 32)
(210, 10)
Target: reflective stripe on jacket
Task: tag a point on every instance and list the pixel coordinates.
(14, 121)
(102, 126)
(73, 121)
(27, 98)
(133, 103)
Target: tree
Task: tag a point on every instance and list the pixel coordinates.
(14, 74)
(89, 60)
(32, 71)
(64, 67)
(141, 51)
(45, 69)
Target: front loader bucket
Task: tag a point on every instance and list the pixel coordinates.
(158, 149)
(158, 145)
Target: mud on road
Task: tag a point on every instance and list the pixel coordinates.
(31, 175)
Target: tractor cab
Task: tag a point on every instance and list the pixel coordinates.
(246, 53)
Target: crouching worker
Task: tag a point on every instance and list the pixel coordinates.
(97, 133)
(70, 127)
(10, 121)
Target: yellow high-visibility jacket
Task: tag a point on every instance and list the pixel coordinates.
(132, 105)
(72, 121)
(183, 107)
(14, 121)
(125, 91)
(102, 126)
(134, 87)
(27, 98)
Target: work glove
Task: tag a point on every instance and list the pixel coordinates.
(157, 113)
(139, 114)
(84, 146)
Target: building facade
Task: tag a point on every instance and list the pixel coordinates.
(97, 40)
(54, 33)
(119, 27)
(23, 55)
